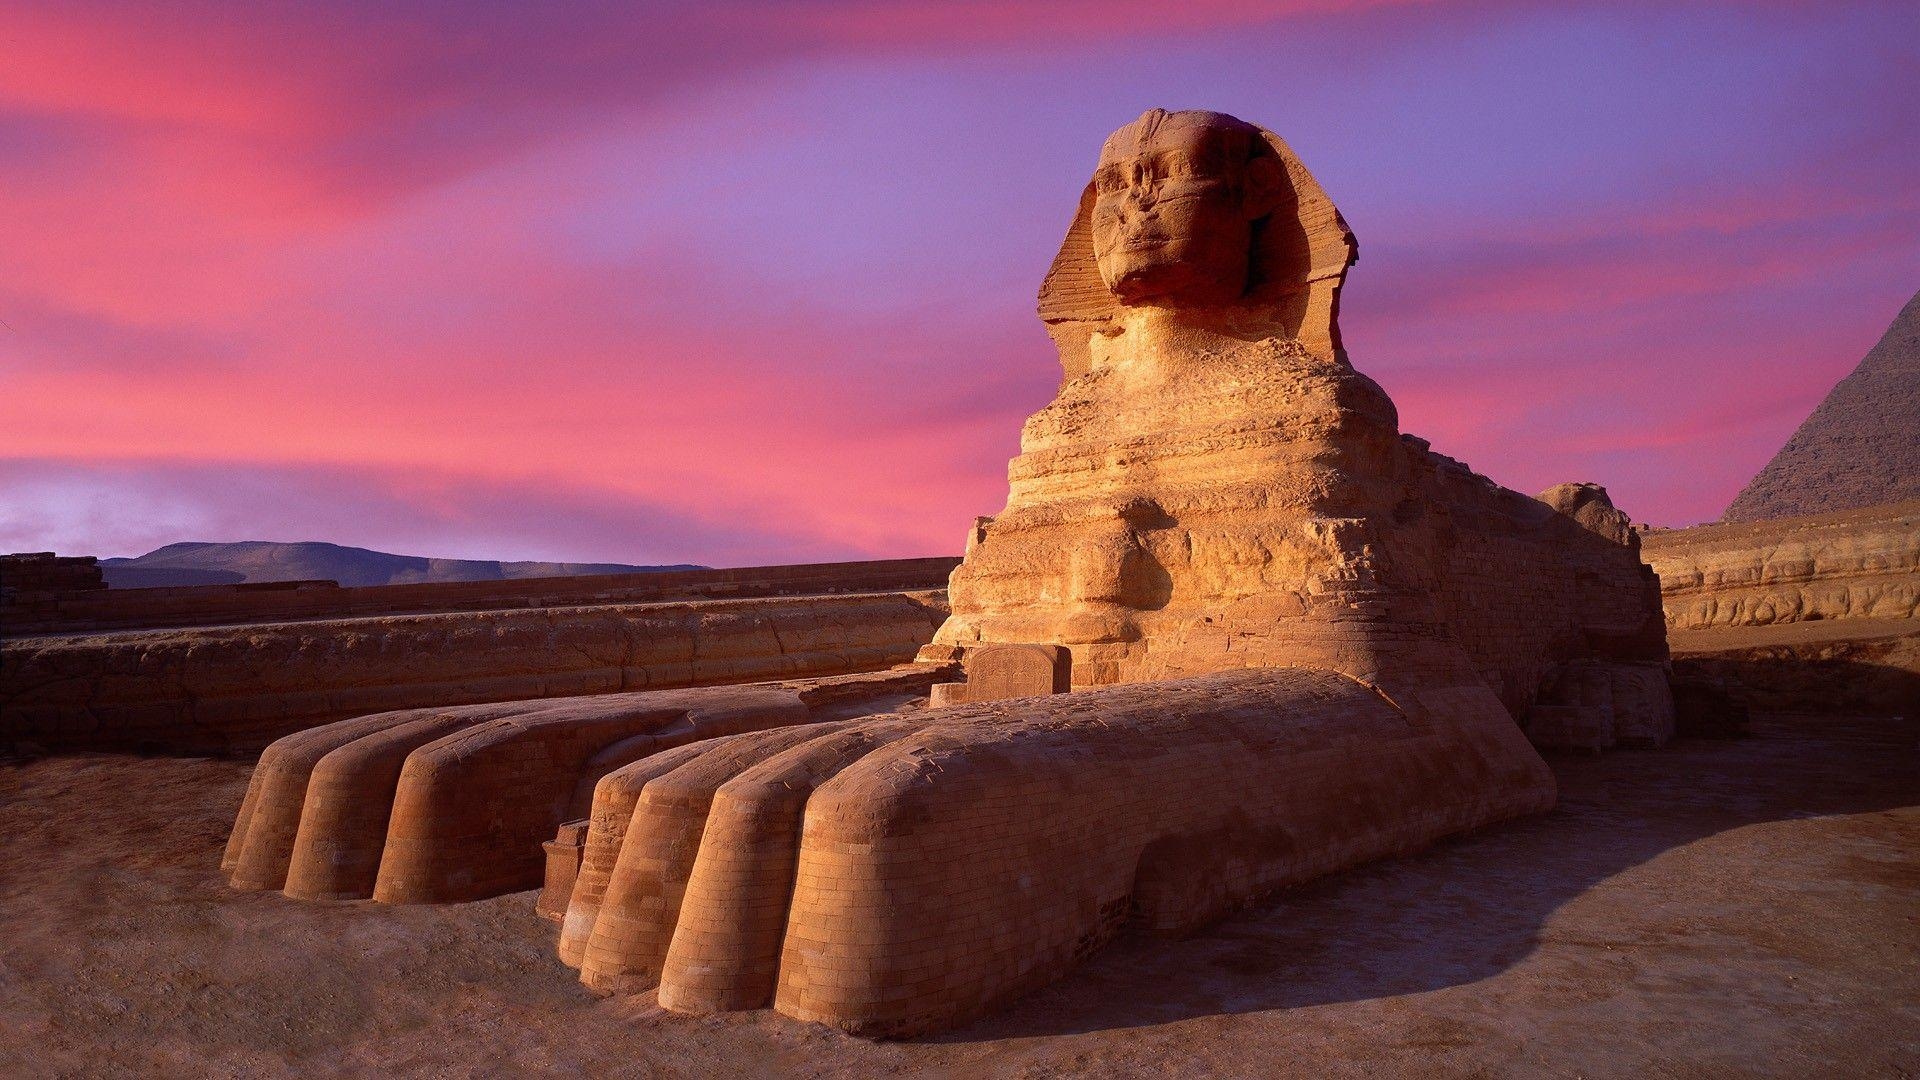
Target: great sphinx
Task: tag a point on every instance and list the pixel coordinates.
(1294, 639)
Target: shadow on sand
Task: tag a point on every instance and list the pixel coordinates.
(1477, 905)
(1787, 682)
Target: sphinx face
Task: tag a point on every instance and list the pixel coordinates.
(1173, 217)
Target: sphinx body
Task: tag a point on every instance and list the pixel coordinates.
(1216, 487)
(1295, 639)
(1298, 640)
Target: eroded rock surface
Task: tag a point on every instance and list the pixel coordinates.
(1854, 564)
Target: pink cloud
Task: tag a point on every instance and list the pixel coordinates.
(343, 245)
(581, 375)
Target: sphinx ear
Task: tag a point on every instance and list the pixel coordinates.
(1075, 302)
(1267, 186)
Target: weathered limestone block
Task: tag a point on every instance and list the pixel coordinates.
(1813, 613)
(564, 854)
(50, 597)
(1643, 709)
(41, 576)
(1836, 666)
(1214, 488)
(998, 672)
(1589, 505)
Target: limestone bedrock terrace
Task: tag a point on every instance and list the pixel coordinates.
(1295, 639)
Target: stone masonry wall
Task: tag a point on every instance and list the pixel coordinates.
(34, 585)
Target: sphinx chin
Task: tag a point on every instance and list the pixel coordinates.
(1096, 623)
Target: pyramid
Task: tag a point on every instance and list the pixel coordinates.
(1861, 447)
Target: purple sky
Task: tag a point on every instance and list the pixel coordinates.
(736, 283)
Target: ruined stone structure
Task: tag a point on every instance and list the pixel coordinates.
(36, 585)
(1297, 640)
(999, 672)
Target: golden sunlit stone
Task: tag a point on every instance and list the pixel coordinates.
(1297, 639)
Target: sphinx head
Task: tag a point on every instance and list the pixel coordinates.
(1176, 196)
(1206, 216)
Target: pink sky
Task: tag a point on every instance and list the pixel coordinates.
(753, 282)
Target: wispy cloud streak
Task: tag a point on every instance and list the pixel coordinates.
(746, 282)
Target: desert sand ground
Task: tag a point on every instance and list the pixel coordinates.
(1737, 908)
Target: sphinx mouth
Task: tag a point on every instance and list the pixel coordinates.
(1146, 243)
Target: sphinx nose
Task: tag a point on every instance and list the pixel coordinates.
(1141, 209)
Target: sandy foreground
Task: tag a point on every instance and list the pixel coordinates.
(1738, 908)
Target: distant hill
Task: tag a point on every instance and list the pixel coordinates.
(1861, 446)
(260, 560)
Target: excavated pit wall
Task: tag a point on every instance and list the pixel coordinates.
(1817, 613)
(236, 688)
(1856, 564)
(42, 594)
